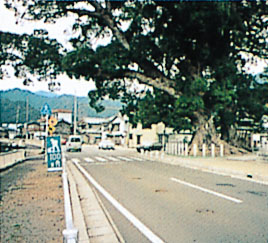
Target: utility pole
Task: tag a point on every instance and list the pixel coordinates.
(0, 109)
(17, 117)
(27, 116)
(27, 110)
(75, 113)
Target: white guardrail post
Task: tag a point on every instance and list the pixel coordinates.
(70, 234)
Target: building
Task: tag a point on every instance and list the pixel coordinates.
(96, 129)
(34, 130)
(63, 128)
(157, 133)
(62, 114)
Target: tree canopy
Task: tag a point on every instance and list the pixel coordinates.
(193, 54)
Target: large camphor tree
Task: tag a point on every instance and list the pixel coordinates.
(194, 53)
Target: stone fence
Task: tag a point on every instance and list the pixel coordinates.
(180, 148)
(263, 152)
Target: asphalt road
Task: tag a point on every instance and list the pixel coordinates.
(176, 204)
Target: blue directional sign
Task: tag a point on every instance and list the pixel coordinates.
(54, 155)
(46, 110)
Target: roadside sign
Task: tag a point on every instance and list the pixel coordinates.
(46, 110)
(54, 155)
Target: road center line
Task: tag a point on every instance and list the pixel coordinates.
(135, 221)
(207, 190)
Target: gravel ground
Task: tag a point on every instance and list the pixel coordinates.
(31, 204)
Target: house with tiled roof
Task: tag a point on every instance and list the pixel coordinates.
(97, 129)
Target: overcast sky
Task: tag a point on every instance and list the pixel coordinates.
(59, 31)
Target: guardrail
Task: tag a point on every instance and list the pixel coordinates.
(10, 158)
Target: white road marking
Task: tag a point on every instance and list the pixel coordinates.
(207, 190)
(112, 158)
(135, 221)
(100, 159)
(75, 160)
(108, 164)
(138, 159)
(89, 160)
(124, 158)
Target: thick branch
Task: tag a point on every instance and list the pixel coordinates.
(160, 82)
(83, 12)
(106, 16)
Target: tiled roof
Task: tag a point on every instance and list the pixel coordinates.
(61, 111)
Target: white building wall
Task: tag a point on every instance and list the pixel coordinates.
(65, 116)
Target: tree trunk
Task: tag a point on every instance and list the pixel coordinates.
(206, 134)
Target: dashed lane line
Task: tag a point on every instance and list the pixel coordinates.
(207, 190)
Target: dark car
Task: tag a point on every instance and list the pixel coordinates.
(150, 147)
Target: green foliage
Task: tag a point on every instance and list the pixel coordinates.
(152, 108)
(189, 50)
(35, 54)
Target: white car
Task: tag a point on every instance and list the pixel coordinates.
(74, 143)
(106, 144)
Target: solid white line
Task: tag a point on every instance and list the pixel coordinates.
(207, 190)
(135, 221)
(100, 159)
(89, 160)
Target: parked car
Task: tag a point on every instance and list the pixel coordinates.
(74, 143)
(64, 141)
(150, 146)
(106, 144)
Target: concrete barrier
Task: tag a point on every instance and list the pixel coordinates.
(10, 158)
(36, 142)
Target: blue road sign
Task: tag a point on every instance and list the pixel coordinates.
(54, 155)
(46, 110)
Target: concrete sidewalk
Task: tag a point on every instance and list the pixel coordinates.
(247, 167)
(90, 217)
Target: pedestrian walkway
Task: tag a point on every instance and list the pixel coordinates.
(247, 167)
(90, 218)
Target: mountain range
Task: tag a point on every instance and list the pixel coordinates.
(13, 105)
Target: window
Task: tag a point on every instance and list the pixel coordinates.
(138, 139)
(131, 136)
(75, 139)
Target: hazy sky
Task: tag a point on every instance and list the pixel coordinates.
(59, 31)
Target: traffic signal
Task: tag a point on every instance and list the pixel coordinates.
(52, 122)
